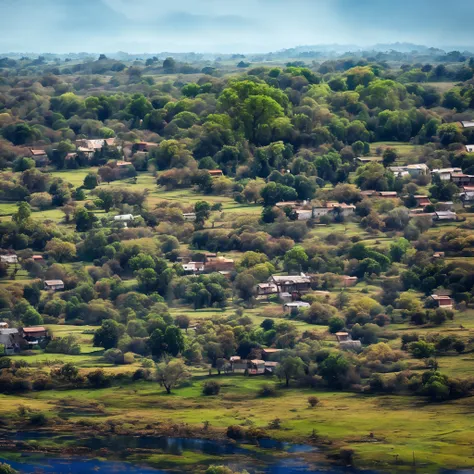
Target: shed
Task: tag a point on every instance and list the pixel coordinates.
(189, 216)
(216, 173)
(256, 367)
(53, 285)
(343, 336)
(9, 259)
(288, 307)
(124, 217)
(443, 301)
(467, 123)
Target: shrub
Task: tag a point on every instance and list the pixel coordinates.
(114, 356)
(313, 401)
(147, 363)
(142, 374)
(267, 391)
(98, 379)
(128, 358)
(6, 469)
(211, 388)
(38, 419)
(235, 432)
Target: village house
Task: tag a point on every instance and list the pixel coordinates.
(34, 335)
(368, 193)
(332, 207)
(292, 284)
(387, 194)
(295, 305)
(444, 216)
(189, 216)
(467, 195)
(346, 343)
(40, 156)
(53, 285)
(342, 336)
(215, 173)
(438, 255)
(290, 204)
(303, 214)
(11, 340)
(38, 258)
(348, 281)
(445, 173)
(412, 170)
(269, 352)
(266, 289)
(219, 264)
(368, 159)
(461, 179)
(9, 259)
(124, 217)
(122, 164)
(422, 201)
(467, 124)
(443, 301)
(193, 268)
(470, 148)
(144, 146)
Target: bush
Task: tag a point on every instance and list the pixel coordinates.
(211, 388)
(98, 379)
(128, 358)
(147, 363)
(6, 469)
(235, 432)
(142, 374)
(114, 356)
(267, 391)
(38, 419)
(313, 401)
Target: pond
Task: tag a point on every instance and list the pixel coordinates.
(267, 456)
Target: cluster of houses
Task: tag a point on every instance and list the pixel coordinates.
(212, 263)
(261, 366)
(305, 211)
(290, 288)
(14, 340)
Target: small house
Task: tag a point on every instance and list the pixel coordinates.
(189, 216)
(289, 204)
(343, 336)
(193, 267)
(38, 258)
(256, 367)
(216, 173)
(467, 124)
(303, 214)
(144, 146)
(53, 285)
(470, 148)
(388, 194)
(291, 283)
(219, 264)
(368, 193)
(348, 281)
(9, 259)
(266, 289)
(269, 352)
(34, 335)
(239, 366)
(444, 216)
(295, 305)
(422, 201)
(410, 170)
(40, 156)
(445, 173)
(124, 217)
(443, 301)
(123, 164)
(270, 366)
(438, 255)
(11, 340)
(461, 179)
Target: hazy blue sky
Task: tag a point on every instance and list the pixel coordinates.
(227, 25)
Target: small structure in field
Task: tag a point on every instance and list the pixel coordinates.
(193, 268)
(215, 173)
(256, 367)
(291, 283)
(189, 216)
(467, 123)
(34, 335)
(11, 340)
(295, 305)
(438, 255)
(124, 217)
(269, 352)
(38, 258)
(443, 301)
(444, 216)
(470, 148)
(348, 281)
(10, 259)
(266, 289)
(53, 285)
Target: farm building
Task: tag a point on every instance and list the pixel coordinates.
(422, 201)
(269, 352)
(288, 307)
(144, 146)
(9, 259)
(38, 258)
(348, 281)
(438, 255)
(53, 285)
(216, 173)
(11, 340)
(193, 267)
(291, 283)
(266, 289)
(445, 173)
(442, 301)
(470, 148)
(467, 124)
(189, 216)
(219, 264)
(124, 217)
(461, 179)
(34, 335)
(410, 170)
(444, 216)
